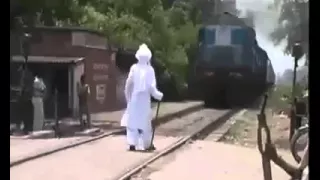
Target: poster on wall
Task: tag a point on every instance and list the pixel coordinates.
(101, 92)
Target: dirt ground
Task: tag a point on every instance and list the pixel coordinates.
(244, 131)
(245, 164)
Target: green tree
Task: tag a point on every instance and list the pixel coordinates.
(168, 27)
(293, 23)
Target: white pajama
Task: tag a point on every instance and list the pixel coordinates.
(141, 141)
(132, 136)
(38, 118)
(146, 137)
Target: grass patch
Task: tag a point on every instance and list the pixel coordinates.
(244, 130)
(237, 130)
(241, 130)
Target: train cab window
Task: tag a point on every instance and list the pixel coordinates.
(206, 36)
(201, 36)
(210, 36)
(238, 36)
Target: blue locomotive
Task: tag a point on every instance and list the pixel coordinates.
(230, 68)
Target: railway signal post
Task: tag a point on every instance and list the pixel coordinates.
(297, 53)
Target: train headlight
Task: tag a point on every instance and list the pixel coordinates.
(209, 74)
(235, 74)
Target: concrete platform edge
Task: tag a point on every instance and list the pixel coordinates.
(160, 120)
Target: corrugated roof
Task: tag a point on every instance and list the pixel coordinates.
(69, 28)
(47, 59)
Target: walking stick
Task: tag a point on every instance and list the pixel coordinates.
(152, 147)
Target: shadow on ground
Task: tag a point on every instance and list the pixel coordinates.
(70, 128)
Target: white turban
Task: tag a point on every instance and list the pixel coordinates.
(143, 54)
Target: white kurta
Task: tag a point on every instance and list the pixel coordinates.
(140, 86)
(138, 112)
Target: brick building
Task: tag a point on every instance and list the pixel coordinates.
(60, 56)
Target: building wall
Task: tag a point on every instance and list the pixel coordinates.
(93, 40)
(101, 72)
(60, 43)
(101, 76)
(55, 44)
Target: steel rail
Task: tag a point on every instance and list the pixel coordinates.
(197, 134)
(161, 120)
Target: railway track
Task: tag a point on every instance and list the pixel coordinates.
(121, 131)
(204, 122)
(171, 135)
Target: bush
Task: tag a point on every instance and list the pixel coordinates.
(280, 97)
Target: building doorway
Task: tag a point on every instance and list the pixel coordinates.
(61, 84)
(55, 76)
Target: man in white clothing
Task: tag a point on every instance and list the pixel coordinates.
(140, 86)
(39, 89)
